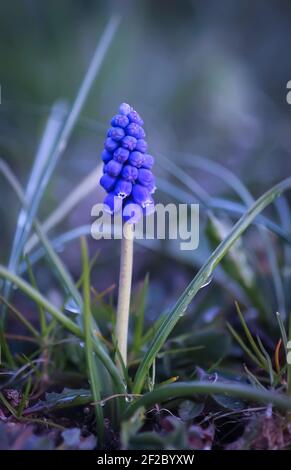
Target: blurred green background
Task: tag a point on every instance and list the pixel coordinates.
(208, 77)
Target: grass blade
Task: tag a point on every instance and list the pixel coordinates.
(42, 317)
(87, 185)
(139, 317)
(55, 261)
(32, 194)
(248, 334)
(201, 195)
(244, 347)
(188, 389)
(219, 204)
(282, 331)
(4, 348)
(253, 379)
(236, 184)
(203, 277)
(7, 405)
(91, 365)
(268, 359)
(65, 322)
(53, 146)
(236, 265)
(82, 95)
(24, 398)
(21, 318)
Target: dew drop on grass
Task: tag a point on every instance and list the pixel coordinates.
(183, 311)
(191, 292)
(82, 344)
(72, 306)
(207, 281)
(128, 399)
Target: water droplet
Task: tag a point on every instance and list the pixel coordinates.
(183, 311)
(82, 344)
(128, 399)
(72, 306)
(102, 403)
(207, 281)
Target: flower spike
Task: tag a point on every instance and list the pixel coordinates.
(127, 167)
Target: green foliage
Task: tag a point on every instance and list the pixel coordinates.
(203, 277)
(76, 334)
(66, 399)
(93, 373)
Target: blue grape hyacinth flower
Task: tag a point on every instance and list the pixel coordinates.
(127, 173)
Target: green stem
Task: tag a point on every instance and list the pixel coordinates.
(124, 290)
